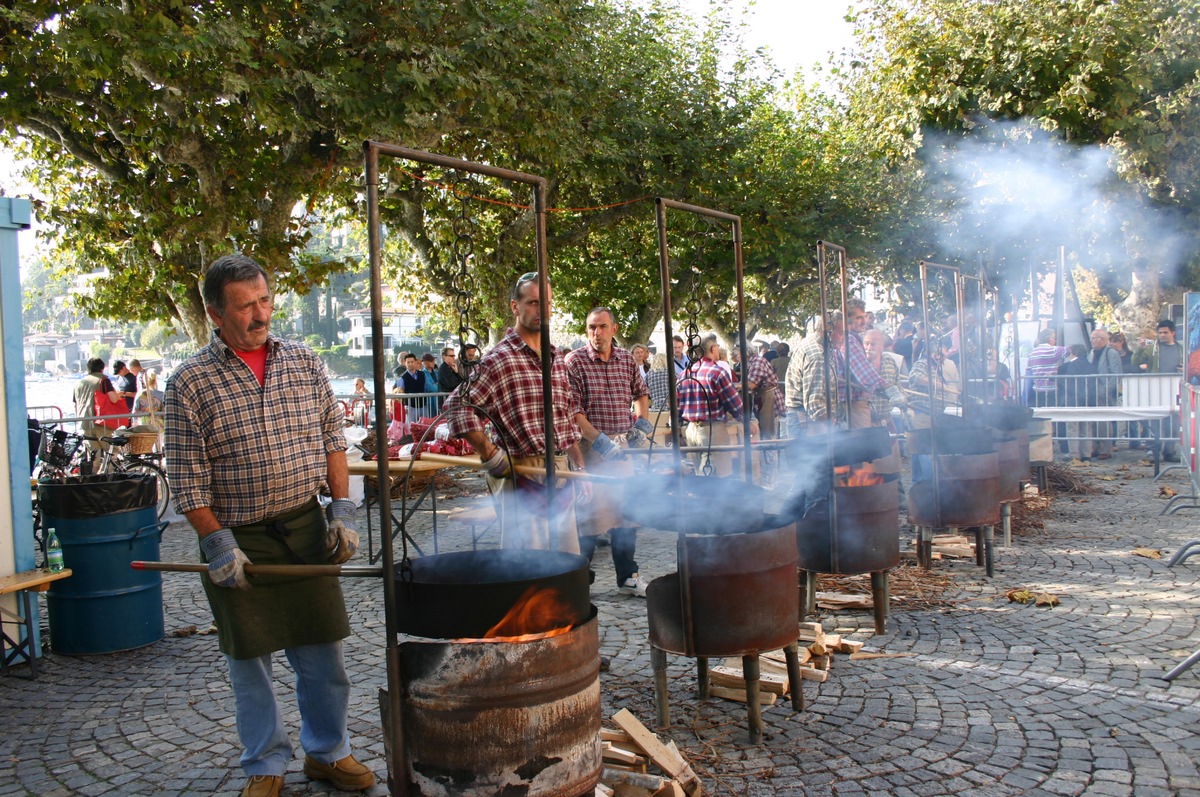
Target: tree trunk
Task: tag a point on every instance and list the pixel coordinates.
(192, 317)
(1139, 312)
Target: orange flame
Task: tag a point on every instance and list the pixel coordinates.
(863, 477)
(537, 608)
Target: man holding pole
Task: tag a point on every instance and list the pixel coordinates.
(606, 380)
(505, 388)
(253, 432)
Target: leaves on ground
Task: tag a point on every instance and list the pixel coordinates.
(1029, 596)
(1166, 491)
(1149, 553)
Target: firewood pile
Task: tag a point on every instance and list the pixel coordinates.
(637, 763)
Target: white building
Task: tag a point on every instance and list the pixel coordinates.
(400, 325)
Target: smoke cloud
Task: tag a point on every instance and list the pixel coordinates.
(1012, 193)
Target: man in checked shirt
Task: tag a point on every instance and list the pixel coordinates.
(607, 380)
(706, 395)
(507, 385)
(864, 379)
(253, 432)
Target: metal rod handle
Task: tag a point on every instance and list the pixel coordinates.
(266, 570)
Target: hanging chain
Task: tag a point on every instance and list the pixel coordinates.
(692, 306)
(462, 284)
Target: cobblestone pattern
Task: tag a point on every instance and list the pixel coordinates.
(998, 698)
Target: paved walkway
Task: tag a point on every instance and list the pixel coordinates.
(998, 699)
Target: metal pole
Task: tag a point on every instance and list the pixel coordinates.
(397, 769)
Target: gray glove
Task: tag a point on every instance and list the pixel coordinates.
(638, 433)
(341, 541)
(607, 449)
(497, 464)
(896, 396)
(225, 559)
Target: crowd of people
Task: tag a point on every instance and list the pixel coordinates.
(130, 398)
(252, 438)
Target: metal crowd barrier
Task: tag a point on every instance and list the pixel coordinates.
(1138, 408)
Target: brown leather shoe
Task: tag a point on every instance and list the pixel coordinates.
(263, 786)
(347, 774)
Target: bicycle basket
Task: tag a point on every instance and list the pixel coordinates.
(142, 443)
(58, 448)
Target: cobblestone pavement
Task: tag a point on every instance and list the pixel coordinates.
(997, 698)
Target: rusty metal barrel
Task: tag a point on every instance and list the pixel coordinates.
(967, 489)
(861, 535)
(743, 594)
(1008, 454)
(484, 718)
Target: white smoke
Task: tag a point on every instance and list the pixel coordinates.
(1011, 193)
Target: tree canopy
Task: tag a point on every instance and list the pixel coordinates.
(167, 133)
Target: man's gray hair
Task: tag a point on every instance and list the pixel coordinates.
(706, 344)
(227, 269)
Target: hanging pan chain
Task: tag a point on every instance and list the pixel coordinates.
(463, 230)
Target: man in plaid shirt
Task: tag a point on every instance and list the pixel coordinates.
(507, 385)
(810, 413)
(767, 397)
(253, 432)
(706, 395)
(606, 380)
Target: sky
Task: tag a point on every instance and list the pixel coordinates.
(798, 33)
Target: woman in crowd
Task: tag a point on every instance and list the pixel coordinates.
(641, 356)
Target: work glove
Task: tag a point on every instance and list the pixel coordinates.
(896, 396)
(497, 464)
(341, 540)
(606, 448)
(225, 559)
(638, 433)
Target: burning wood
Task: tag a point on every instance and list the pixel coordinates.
(864, 476)
(539, 614)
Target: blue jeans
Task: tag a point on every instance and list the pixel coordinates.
(322, 693)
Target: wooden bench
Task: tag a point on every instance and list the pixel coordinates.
(23, 584)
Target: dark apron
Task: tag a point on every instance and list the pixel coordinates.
(280, 612)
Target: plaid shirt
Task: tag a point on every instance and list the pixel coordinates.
(604, 390)
(507, 385)
(250, 452)
(760, 371)
(806, 381)
(706, 393)
(881, 407)
(862, 373)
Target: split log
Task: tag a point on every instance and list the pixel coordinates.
(671, 763)
(738, 694)
(735, 678)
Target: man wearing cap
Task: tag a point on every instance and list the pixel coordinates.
(606, 380)
(253, 434)
(505, 388)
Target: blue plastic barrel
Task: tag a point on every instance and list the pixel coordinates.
(105, 606)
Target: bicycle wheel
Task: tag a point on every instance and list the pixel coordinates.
(160, 476)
